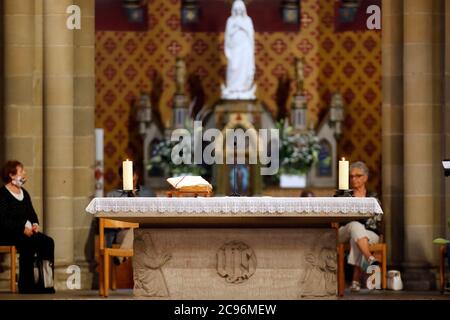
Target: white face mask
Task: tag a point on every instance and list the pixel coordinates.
(18, 181)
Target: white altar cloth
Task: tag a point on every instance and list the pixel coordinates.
(238, 205)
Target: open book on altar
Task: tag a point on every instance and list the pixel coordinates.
(190, 184)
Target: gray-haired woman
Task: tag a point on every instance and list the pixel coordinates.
(359, 235)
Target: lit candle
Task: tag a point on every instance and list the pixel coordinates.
(343, 174)
(127, 169)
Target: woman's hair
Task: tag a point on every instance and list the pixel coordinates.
(360, 165)
(307, 193)
(9, 168)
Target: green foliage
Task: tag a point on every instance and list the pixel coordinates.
(161, 159)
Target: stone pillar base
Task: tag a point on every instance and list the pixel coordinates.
(86, 278)
(418, 278)
(61, 277)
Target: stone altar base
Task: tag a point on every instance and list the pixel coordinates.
(284, 263)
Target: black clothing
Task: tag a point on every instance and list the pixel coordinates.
(14, 214)
(13, 217)
(38, 246)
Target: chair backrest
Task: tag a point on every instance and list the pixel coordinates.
(5, 249)
(105, 223)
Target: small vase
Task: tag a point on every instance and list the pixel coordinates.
(293, 181)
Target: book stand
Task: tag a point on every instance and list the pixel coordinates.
(178, 193)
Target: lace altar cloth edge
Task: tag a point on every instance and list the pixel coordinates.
(236, 205)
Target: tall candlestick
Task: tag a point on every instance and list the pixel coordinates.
(127, 168)
(343, 174)
(99, 169)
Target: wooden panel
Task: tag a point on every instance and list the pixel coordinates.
(124, 275)
(119, 224)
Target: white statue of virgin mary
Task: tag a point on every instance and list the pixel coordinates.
(240, 53)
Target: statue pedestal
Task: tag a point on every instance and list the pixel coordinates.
(239, 95)
(233, 114)
(251, 106)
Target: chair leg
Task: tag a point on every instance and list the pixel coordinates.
(101, 277)
(106, 273)
(13, 269)
(384, 266)
(442, 268)
(340, 270)
(113, 277)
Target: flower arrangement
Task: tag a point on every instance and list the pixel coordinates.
(163, 160)
(298, 151)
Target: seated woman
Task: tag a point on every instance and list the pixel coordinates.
(360, 235)
(19, 226)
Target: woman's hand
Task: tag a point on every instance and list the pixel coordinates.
(28, 232)
(35, 228)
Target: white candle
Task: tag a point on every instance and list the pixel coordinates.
(127, 168)
(99, 144)
(343, 174)
(99, 181)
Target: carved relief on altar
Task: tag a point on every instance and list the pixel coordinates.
(148, 277)
(236, 262)
(320, 276)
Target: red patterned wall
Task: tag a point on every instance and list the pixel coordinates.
(351, 64)
(128, 62)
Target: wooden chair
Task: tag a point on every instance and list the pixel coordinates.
(443, 255)
(379, 251)
(13, 253)
(106, 253)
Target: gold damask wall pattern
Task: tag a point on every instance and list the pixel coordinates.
(348, 62)
(351, 64)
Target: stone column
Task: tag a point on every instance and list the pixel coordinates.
(392, 127)
(84, 139)
(422, 138)
(59, 129)
(23, 91)
(2, 84)
(446, 227)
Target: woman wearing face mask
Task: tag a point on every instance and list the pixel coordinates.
(19, 226)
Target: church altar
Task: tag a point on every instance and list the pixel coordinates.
(235, 247)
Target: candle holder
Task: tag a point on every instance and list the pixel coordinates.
(344, 193)
(128, 193)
